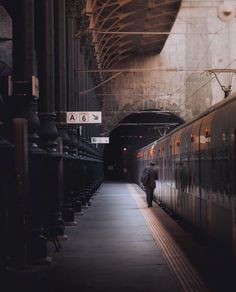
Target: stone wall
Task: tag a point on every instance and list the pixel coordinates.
(176, 80)
(5, 41)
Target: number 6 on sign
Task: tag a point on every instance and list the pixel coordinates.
(83, 118)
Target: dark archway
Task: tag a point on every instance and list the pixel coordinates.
(133, 132)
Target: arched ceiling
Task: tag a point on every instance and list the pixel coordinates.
(122, 28)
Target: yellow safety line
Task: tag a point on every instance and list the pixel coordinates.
(187, 276)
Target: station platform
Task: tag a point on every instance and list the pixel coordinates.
(120, 245)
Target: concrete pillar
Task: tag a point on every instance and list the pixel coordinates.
(70, 49)
(45, 46)
(6, 170)
(48, 130)
(60, 71)
(24, 104)
(70, 161)
(6, 183)
(25, 88)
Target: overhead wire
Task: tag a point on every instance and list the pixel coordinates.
(190, 75)
(202, 86)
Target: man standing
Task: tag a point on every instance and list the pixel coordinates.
(149, 182)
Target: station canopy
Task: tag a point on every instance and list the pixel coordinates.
(122, 28)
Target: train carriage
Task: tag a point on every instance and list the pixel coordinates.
(196, 171)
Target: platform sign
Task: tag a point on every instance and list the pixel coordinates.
(100, 140)
(84, 117)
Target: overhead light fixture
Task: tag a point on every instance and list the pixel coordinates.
(226, 12)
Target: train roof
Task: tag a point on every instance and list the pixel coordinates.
(229, 99)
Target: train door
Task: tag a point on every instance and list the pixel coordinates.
(177, 173)
(160, 190)
(205, 195)
(195, 173)
(172, 172)
(233, 190)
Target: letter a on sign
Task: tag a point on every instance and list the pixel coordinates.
(72, 118)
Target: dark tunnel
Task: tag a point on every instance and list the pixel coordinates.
(131, 133)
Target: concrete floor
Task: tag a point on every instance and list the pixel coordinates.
(112, 250)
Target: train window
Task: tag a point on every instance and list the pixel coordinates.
(152, 152)
(192, 137)
(207, 132)
(225, 136)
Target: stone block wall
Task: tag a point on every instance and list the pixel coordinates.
(176, 80)
(5, 41)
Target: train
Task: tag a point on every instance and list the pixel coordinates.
(196, 165)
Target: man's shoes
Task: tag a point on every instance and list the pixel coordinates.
(149, 206)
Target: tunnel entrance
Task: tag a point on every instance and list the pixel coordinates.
(133, 132)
